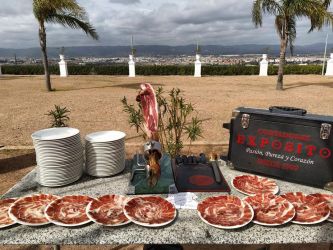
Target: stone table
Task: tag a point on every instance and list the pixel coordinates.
(186, 229)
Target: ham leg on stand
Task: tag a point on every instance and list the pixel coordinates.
(152, 148)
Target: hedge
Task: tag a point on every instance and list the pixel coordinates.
(122, 69)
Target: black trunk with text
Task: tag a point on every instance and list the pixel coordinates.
(285, 143)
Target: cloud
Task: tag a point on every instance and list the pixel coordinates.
(212, 11)
(168, 22)
(125, 2)
(15, 7)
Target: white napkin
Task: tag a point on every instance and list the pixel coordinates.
(183, 200)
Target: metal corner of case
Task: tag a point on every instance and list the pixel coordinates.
(329, 186)
(230, 165)
(325, 131)
(235, 113)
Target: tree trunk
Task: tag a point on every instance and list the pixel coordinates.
(283, 48)
(42, 41)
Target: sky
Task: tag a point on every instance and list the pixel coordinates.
(158, 22)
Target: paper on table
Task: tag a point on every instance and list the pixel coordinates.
(183, 200)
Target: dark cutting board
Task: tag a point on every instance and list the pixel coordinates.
(198, 177)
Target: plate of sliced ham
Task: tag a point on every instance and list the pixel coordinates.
(69, 210)
(328, 198)
(108, 210)
(30, 210)
(253, 184)
(225, 211)
(271, 210)
(309, 209)
(5, 220)
(150, 211)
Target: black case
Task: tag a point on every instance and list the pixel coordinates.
(282, 142)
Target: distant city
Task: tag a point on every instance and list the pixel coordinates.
(167, 55)
(170, 60)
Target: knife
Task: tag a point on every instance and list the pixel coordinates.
(216, 172)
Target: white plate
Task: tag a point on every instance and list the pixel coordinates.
(311, 223)
(67, 142)
(55, 133)
(63, 149)
(108, 154)
(58, 157)
(106, 167)
(105, 164)
(104, 151)
(276, 190)
(58, 184)
(60, 177)
(58, 142)
(106, 225)
(272, 225)
(55, 156)
(55, 177)
(105, 144)
(61, 167)
(8, 225)
(306, 223)
(13, 217)
(229, 227)
(98, 174)
(65, 173)
(104, 160)
(105, 148)
(59, 161)
(105, 136)
(60, 147)
(60, 170)
(63, 224)
(13, 223)
(147, 224)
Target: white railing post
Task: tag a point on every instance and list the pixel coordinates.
(197, 67)
(131, 66)
(263, 66)
(329, 67)
(63, 66)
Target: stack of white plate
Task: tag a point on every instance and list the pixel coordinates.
(105, 153)
(59, 155)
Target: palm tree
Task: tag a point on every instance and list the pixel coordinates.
(286, 13)
(65, 12)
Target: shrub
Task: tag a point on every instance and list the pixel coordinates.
(28, 69)
(146, 70)
(59, 117)
(173, 120)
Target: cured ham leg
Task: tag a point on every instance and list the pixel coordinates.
(149, 105)
(147, 98)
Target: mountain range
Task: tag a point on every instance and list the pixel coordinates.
(162, 50)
